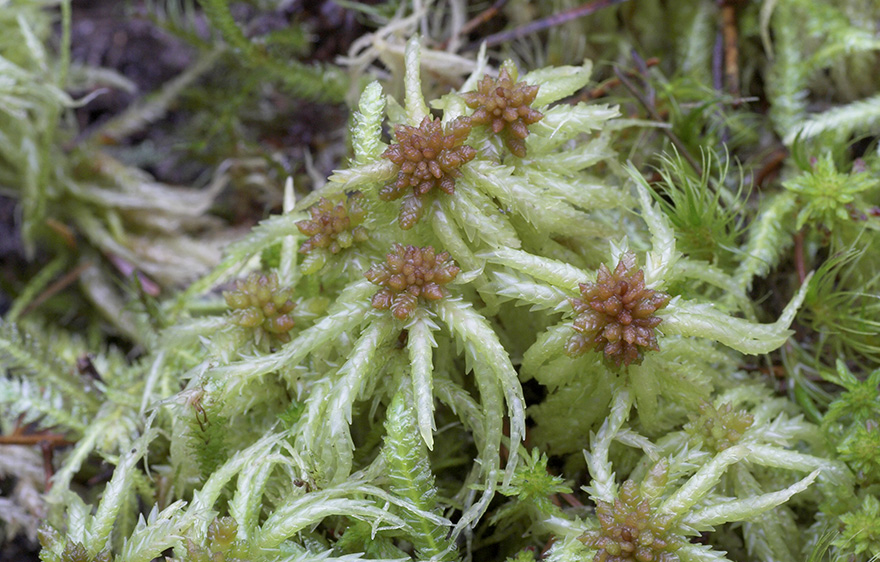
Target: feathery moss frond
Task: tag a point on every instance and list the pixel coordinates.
(411, 477)
(315, 82)
(21, 350)
(857, 117)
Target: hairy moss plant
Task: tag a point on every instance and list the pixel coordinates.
(532, 492)
(843, 304)
(310, 81)
(707, 215)
(827, 197)
(860, 537)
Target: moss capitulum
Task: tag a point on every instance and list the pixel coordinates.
(504, 107)
(630, 531)
(410, 273)
(76, 552)
(334, 224)
(258, 302)
(221, 545)
(859, 450)
(720, 428)
(616, 314)
(427, 157)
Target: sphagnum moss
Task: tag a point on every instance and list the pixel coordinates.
(401, 445)
(719, 428)
(334, 225)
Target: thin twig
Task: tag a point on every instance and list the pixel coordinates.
(602, 89)
(718, 62)
(799, 262)
(53, 439)
(47, 442)
(33, 439)
(652, 111)
(771, 166)
(57, 286)
(545, 23)
(62, 230)
(731, 51)
(48, 466)
(572, 501)
(477, 21)
(642, 68)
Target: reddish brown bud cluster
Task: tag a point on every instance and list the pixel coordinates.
(505, 108)
(258, 302)
(334, 226)
(427, 157)
(409, 273)
(616, 314)
(629, 531)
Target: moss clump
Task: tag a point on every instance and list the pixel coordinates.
(860, 450)
(221, 544)
(76, 552)
(334, 224)
(860, 531)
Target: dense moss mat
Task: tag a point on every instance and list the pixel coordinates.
(439, 281)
